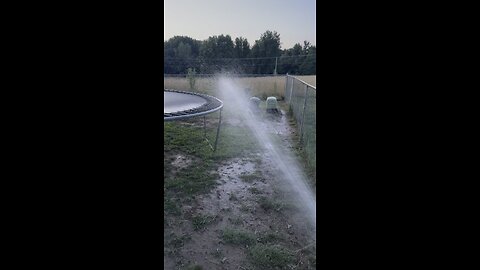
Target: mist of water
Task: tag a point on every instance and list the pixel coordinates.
(287, 167)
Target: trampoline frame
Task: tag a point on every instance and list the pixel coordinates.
(213, 104)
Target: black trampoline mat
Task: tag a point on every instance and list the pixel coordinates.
(177, 102)
(179, 105)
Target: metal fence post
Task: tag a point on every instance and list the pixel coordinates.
(204, 127)
(286, 85)
(291, 89)
(303, 115)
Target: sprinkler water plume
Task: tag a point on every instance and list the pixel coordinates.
(288, 169)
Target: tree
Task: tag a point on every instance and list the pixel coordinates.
(180, 53)
(217, 47)
(267, 46)
(183, 51)
(225, 47)
(291, 60)
(219, 53)
(308, 67)
(242, 48)
(214, 51)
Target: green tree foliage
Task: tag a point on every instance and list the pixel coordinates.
(220, 48)
(291, 60)
(267, 46)
(308, 65)
(221, 53)
(242, 48)
(178, 52)
(217, 47)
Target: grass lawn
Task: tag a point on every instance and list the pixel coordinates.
(191, 171)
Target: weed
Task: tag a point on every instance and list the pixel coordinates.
(233, 197)
(195, 267)
(217, 253)
(270, 237)
(237, 237)
(271, 256)
(255, 190)
(178, 241)
(313, 260)
(237, 221)
(200, 222)
(244, 208)
(170, 206)
(269, 204)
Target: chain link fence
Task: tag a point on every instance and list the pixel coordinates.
(302, 98)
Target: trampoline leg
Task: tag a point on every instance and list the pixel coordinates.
(204, 128)
(218, 130)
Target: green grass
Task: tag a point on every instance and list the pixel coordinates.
(170, 206)
(192, 181)
(308, 143)
(182, 184)
(238, 237)
(313, 260)
(271, 256)
(195, 267)
(178, 241)
(233, 141)
(270, 238)
(269, 204)
(199, 222)
(198, 178)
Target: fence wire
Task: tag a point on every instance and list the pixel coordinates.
(302, 99)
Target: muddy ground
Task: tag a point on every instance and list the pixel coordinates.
(246, 221)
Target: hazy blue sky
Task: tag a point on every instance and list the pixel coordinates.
(294, 20)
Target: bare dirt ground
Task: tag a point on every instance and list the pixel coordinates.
(243, 221)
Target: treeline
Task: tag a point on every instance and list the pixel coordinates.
(222, 54)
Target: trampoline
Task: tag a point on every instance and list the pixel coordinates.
(178, 105)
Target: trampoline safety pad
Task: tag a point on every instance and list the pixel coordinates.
(181, 104)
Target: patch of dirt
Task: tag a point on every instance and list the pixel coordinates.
(235, 206)
(177, 161)
(181, 161)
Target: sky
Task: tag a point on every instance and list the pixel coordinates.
(294, 20)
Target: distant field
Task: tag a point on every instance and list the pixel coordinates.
(309, 79)
(260, 86)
